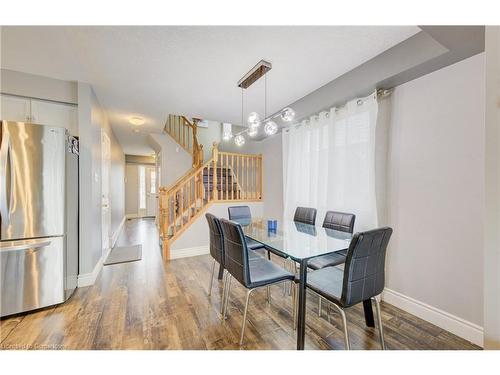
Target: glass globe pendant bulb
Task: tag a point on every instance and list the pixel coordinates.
(270, 128)
(252, 131)
(239, 140)
(287, 114)
(253, 120)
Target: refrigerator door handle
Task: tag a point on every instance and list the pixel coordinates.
(11, 179)
(4, 154)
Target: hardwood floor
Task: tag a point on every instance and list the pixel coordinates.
(154, 305)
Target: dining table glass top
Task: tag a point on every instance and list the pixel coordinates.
(296, 240)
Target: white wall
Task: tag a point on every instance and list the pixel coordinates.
(436, 193)
(207, 136)
(92, 120)
(90, 181)
(175, 161)
(131, 190)
(492, 199)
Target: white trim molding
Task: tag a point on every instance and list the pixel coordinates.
(118, 230)
(88, 279)
(458, 326)
(189, 252)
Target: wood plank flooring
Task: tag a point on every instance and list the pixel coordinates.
(151, 304)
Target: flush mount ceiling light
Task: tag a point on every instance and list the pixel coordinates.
(136, 120)
(253, 120)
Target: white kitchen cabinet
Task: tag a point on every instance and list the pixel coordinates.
(55, 114)
(43, 112)
(15, 108)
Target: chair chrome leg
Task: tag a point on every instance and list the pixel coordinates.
(268, 294)
(245, 316)
(224, 286)
(212, 279)
(379, 321)
(319, 306)
(344, 323)
(228, 294)
(286, 266)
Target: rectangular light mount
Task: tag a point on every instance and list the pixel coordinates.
(254, 74)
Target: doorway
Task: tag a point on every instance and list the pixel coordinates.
(151, 191)
(105, 204)
(147, 191)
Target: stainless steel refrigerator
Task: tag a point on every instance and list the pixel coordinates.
(38, 216)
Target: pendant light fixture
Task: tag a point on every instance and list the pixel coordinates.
(239, 140)
(254, 120)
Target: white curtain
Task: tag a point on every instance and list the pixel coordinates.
(329, 163)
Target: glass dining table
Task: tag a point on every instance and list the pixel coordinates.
(300, 243)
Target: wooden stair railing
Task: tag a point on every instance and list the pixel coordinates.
(184, 133)
(226, 177)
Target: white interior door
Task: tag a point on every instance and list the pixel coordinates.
(151, 191)
(105, 204)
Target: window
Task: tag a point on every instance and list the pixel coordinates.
(152, 187)
(142, 187)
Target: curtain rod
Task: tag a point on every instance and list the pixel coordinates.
(380, 93)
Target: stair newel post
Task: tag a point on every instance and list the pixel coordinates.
(215, 157)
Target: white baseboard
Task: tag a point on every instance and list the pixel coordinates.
(132, 216)
(189, 252)
(115, 235)
(88, 279)
(458, 326)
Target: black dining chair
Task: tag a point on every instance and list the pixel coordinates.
(306, 215)
(243, 213)
(303, 215)
(216, 245)
(342, 222)
(363, 277)
(251, 274)
(217, 248)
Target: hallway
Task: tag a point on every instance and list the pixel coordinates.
(149, 304)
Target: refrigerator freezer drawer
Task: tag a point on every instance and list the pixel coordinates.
(31, 274)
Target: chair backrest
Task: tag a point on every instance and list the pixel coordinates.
(364, 270)
(306, 215)
(216, 238)
(341, 221)
(235, 251)
(239, 212)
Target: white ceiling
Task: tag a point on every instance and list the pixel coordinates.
(154, 71)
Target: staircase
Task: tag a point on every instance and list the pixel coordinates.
(225, 177)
